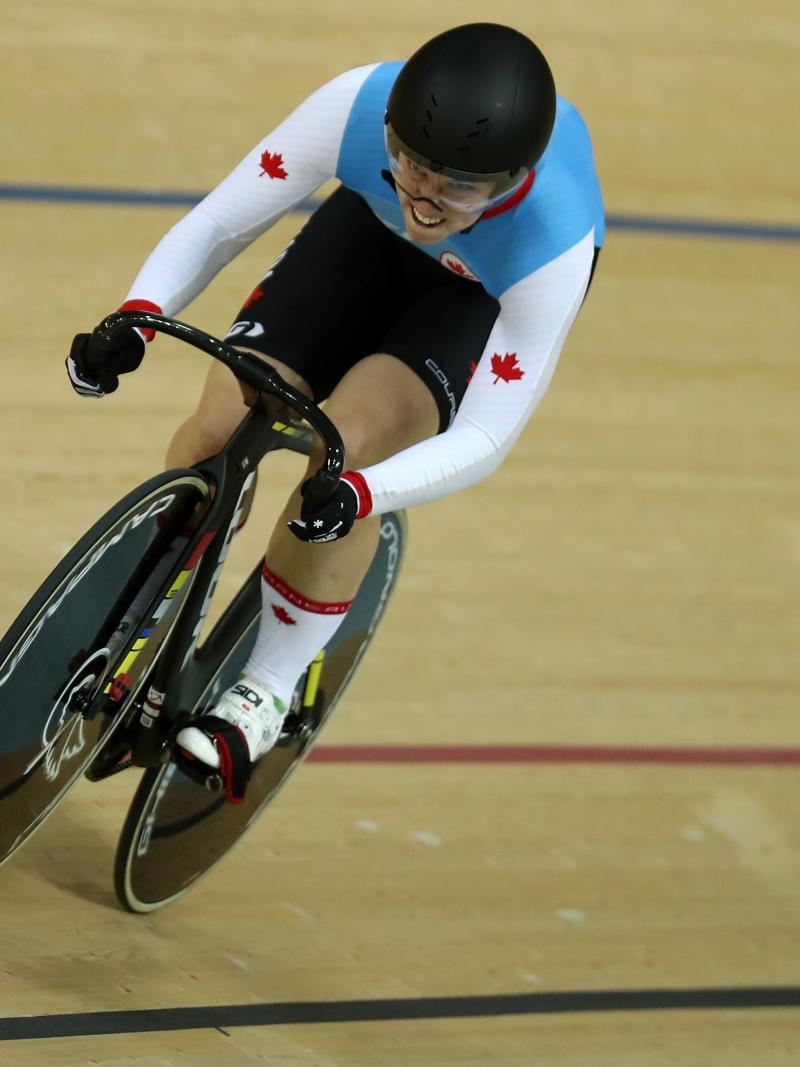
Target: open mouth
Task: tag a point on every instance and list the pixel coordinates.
(429, 221)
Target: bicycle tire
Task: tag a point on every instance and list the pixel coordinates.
(47, 655)
(175, 831)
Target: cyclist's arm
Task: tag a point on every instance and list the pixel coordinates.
(535, 317)
(283, 169)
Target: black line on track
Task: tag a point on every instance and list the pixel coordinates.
(88, 1024)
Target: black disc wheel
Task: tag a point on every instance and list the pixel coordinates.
(58, 662)
(176, 830)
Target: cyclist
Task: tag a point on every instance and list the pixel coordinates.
(427, 300)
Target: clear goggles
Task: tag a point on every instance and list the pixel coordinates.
(459, 191)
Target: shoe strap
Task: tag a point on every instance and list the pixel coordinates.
(234, 755)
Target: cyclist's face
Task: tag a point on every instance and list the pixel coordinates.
(434, 206)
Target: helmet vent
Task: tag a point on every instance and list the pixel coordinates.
(484, 127)
(425, 129)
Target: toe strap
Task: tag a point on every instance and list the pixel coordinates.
(234, 755)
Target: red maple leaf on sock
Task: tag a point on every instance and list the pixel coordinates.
(272, 164)
(282, 615)
(506, 367)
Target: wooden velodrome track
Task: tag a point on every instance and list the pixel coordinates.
(620, 611)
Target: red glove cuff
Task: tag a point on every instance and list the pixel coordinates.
(142, 305)
(359, 483)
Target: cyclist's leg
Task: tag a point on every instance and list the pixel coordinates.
(307, 589)
(372, 430)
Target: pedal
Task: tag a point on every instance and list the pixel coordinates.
(302, 722)
(294, 726)
(198, 772)
(235, 767)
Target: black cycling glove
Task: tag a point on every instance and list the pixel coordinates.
(94, 363)
(334, 518)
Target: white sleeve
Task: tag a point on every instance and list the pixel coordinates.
(283, 169)
(513, 374)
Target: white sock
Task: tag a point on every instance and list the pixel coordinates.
(292, 630)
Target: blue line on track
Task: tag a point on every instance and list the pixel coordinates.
(67, 194)
(738, 231)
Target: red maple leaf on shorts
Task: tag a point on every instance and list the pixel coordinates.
(255, 295)
(506, 367)
(272, 164)
(473, 366)
(282, 615)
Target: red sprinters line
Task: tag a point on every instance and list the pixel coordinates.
(686, 756)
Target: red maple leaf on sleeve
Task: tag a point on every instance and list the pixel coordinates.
(282, 615)
(506, 367)
(272, 164)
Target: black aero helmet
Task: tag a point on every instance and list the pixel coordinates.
(477, 103)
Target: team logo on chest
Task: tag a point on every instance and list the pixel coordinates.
(457, 265)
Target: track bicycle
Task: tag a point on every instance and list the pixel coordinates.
(75, 701)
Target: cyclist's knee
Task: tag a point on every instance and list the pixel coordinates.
(364, 444)
(381, 407)
(196, 439)
(211, 428)
(220, 410)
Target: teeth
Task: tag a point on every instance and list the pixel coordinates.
(425, 220)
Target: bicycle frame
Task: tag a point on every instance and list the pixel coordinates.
(231, 472)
